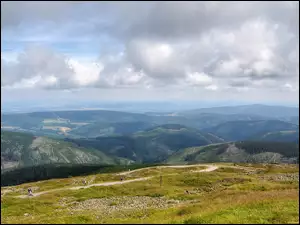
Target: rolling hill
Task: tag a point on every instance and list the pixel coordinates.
(244, 130)
(203, 120)
(151, 145)
(106, 129)
(94, 123)
(280, 136)
(59, 123)
(294, 119)
(23, 150)
(239, 152)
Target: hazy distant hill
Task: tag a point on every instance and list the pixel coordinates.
(105, 129)
(244, 151)
(294, 119)
(21, 149)
(89, 123)
(256, 109)
(280, 136)
(243, 130)
(75, 116)
(206, 120)
(93, 123)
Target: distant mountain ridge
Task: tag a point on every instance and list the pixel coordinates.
(239, 152)
(93, 123)
(107, 129)
(103, 136)
(22, 150)
(153, 144)
(255, 109)
(280, 136)
(244, 130)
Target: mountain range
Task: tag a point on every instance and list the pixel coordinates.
(231, 134)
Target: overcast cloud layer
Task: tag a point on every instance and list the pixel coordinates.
(187, 50)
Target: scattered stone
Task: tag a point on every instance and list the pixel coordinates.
(26, 214)
(109, 205)
(281, 177)
(65, 201)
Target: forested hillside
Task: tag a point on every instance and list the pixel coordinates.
(21, 150)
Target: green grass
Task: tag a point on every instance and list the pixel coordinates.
(222, 196)
(268, 212)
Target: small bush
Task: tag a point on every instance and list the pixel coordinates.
(155, 195)
(262, 188)
(185, 211)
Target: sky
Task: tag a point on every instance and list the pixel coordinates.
(212, 51)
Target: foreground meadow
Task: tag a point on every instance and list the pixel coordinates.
(210, 193)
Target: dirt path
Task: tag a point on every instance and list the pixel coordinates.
(208, 169)
(110, 183)
(87, 186)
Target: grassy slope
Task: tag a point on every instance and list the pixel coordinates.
(269, 195)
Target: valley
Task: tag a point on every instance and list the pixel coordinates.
(155, 112)
(180, 167)
(95, 123)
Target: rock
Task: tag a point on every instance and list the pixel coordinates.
(123, 203)
(26, 214)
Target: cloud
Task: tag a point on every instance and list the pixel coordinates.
(199, 79)
(85, 73)
(212, 46)
(37, 66)
(40, 67)
(18, 12)
(212, 87)
(290, 87)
